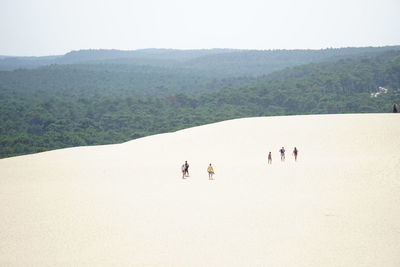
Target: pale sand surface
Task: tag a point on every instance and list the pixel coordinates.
(126, 204)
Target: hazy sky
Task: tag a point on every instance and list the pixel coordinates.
(53, 27)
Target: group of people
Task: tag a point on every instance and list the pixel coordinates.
(282, 152)
(185, 171)
(210, 169)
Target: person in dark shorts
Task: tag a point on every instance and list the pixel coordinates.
(186, 169)
(269, 158)
(295, 152)
(282, 151)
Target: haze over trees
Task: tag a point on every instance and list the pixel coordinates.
(94, 97)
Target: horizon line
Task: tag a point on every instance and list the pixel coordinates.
(199, 49)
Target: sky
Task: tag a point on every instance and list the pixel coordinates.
(56, 27)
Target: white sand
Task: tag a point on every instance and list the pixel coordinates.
(126, 204)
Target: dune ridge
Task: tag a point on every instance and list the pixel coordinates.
(126, 204)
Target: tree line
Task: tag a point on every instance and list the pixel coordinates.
(63, 106)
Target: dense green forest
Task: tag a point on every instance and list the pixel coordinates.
(112, 100)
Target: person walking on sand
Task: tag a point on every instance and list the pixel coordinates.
(394, 108)
(282, 151)
(295, 152)
(186, 169)
(210, 171)
(269, 158)
(183, 168)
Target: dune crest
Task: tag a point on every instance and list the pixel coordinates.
(127, 205)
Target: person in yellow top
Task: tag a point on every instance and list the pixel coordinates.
(210, 170)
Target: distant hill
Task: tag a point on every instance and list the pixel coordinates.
(257, 62)
(341, 86)
(12, 63)
(157, 57)
(225, 62)
(85, 56)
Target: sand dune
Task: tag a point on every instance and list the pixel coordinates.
(126, 204)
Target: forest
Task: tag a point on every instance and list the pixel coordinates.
(103, 97)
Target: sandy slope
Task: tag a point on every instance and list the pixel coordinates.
(126, 204)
